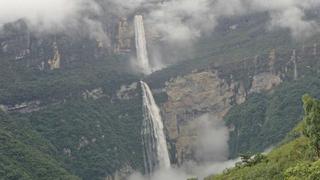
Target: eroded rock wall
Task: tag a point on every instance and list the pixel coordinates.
(192, 96)
(215, 90)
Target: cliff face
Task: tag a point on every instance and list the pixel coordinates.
(15, 40)
(192, 96)
(54, 63)
(264, 82)
(47, 51)
(200, 93)
(124, 36)
(216, 89)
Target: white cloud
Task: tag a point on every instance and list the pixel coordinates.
(44, 14)
(181, 20)
(176, 20)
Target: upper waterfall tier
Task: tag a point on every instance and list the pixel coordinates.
(141, 45)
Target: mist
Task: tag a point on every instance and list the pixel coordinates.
(181, 23)
(69, 17)
(187, 20)
(177, 21)
(47, 15)
(188, 171)
(212, 140)
(211, 153)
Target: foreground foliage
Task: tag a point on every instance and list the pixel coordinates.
(293, 160)
(312, 121)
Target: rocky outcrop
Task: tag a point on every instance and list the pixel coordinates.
(93, 94)
(192, 96)
(15, 40)
(54, 63)
(264, 82)
(127, 92)
(24, 107)
(45, 51)
(214, 92)
(124, 37)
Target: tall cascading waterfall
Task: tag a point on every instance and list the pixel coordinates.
(295, 66)
(141, 45)
(156, 155)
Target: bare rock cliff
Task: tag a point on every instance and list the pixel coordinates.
(192, 96)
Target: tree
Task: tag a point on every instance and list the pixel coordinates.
(312, 121)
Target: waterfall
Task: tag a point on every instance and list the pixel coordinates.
(295, 67)
(156, 155)
(141, 45)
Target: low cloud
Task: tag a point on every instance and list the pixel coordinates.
(212, 141)
(45, 14)
(181, 20)
(56, 16)
(175, 20)
(293, 20)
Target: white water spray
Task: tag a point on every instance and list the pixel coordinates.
(295, 66)
(156, 155)
(141, 45)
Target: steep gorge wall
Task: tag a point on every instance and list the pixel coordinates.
(215, 90)
(191, 97)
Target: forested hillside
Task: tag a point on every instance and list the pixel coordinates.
(295, 158)
(72, 120)
(25, 154)
(265, 119)
(71, 106)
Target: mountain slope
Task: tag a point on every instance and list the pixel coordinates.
(265, 119)
(96, 137)
(275, 164)
(24, 154)
(74, 121)
(294, 159)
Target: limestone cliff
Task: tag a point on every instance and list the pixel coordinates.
(264, 82)
(124, 35)
(17, 45)
(127, 92)
(192, 96)
(216, 89)
(54, 63)
(199, 93)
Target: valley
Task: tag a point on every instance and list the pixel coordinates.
(126, 100)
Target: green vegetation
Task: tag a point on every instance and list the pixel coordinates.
(303, 170)
(73, 138)
(275, 164)
(25, 155)
(226, 47)
(68, 136)
(312, 119)
(90, 138)
(19, 83)
(96, 137)
(265, 119)
(293, 160)
(248, 160)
